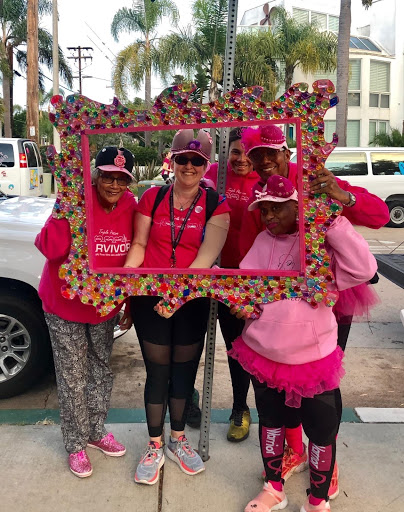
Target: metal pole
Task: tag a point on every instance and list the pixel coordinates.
(55, 59)
(203, 447)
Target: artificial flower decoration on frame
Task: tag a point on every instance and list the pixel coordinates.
(104, 288)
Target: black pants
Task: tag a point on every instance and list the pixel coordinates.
(231, 328)
(320, 418)
(171, 350)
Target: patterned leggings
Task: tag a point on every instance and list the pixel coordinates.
(84, 378)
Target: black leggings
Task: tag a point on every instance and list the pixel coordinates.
(320, 419)
(231, 328)
(171, 350)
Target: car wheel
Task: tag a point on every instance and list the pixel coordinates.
(396, 209)
(25, 350)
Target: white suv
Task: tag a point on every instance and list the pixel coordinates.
(21, 172)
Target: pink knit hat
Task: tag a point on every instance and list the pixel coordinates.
(277, 189)
(269, 136)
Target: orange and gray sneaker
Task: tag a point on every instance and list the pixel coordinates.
(239, 428)
(324, 506)
(293, 462)
(333, 491)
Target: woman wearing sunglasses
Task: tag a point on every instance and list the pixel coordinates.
(81, 340)
(175, 235)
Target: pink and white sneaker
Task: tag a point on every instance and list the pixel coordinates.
(80, 464)
(109, 446)
(324, 506)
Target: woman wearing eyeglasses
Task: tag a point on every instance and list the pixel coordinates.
(176, 233)
(81, 340)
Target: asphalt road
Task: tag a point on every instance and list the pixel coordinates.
(374, 359)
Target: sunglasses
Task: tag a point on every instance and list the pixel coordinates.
(197, 161)
(108, 180)
(260, 153)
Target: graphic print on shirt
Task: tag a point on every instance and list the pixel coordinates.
(111, 243)
(236, 194)
(286, 262)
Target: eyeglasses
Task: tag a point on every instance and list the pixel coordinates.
(197, 161)
(108, 180)
(261, 153)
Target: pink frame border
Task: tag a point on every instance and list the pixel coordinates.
(180, 271)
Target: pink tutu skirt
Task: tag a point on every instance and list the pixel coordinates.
(356, 302)
(297, 380)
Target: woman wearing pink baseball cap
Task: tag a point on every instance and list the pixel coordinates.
(82, 340)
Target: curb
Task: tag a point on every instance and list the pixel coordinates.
(51, 416)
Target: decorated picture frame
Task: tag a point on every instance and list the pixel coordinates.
(104, 288)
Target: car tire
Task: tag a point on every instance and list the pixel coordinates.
(25, 349)
(396, 209)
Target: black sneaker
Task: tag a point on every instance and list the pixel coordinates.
(194, 414)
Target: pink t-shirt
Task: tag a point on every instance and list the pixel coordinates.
(159, 246)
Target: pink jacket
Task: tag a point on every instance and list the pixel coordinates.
(291, 331)
(54, 241)
(238, 193)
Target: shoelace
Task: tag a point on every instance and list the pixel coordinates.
(237, 417)
(183, 444)
(150, 454)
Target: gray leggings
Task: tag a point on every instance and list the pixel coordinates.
(84, 378)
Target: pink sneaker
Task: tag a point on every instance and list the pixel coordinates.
(80, 464)
(267, 500)
(323, 507)
(292, 462)
(109, 446)
(333, 491)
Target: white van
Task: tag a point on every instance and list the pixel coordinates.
(21, 172)
(379, 170)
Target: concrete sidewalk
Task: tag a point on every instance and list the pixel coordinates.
(35, 475)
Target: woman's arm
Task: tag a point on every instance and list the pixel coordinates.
(215, 237)
(54, 239)
(137, 249)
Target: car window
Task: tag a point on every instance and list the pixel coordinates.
(38, 155)
(387, 163)
(30, 153)
(350, 163)
(6, 155)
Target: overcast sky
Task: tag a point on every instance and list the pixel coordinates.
(88, 23)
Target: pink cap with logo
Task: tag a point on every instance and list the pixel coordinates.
(277, 189)
(269, 136)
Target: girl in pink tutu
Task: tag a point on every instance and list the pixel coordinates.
(291, 351)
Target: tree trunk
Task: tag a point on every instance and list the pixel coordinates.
(288, 77)
(147, 97)
(7, 88)
(32, 72)
(213, 91)
(343, 70)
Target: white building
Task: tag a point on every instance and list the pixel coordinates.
(376, 96)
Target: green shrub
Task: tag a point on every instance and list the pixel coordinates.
(142, 154)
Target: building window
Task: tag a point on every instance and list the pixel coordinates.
(377, 127)
(379, 84)
(333, 23)
(319, 20)
(354, 86)
(301, 15)
(352, 132)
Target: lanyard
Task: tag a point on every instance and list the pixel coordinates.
(175, 240)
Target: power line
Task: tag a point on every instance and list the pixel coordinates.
(98, 37)
(79, 57)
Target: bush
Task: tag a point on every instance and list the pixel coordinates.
(143, 155)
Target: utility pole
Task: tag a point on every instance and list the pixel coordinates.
(79, 57)
(32, 72)
(55, 59)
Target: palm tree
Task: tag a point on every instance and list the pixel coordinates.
(395, 139)
(300, 45)
(344, 35)
(202, 52)
(136, 62)
(13, 22)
